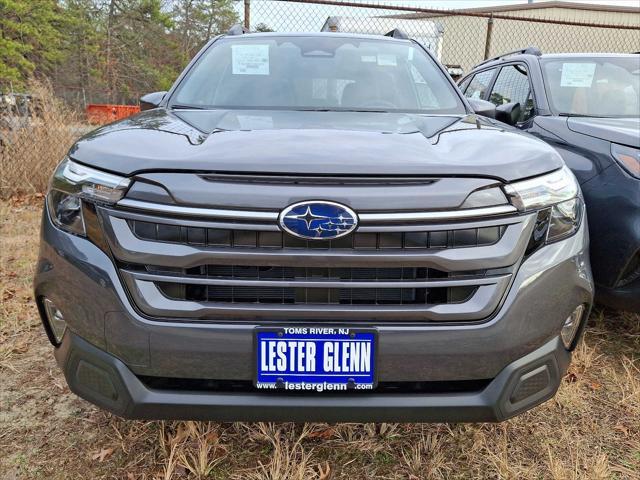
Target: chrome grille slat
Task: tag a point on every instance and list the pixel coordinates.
(241, 224)
(365, 218)
(180, 210)
(188, 280)
(448, 215)
(190, 222)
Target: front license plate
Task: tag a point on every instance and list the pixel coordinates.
(315, 359)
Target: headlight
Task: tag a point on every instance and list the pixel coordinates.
(71, 184)
(66, 211)
(565, 219)
(556, 197)
(627, 157)
(543, 191)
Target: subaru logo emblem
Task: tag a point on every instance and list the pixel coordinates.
(318, 220)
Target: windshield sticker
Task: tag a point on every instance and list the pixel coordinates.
(577, 74)
(250, 59)
(387, 60)
(368, 58)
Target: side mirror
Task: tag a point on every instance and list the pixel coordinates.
(508, 113)
(151, 100)
(482, 107)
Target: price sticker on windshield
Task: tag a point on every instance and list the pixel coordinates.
(250, 59)
(577, 74)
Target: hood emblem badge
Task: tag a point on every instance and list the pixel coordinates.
(318, 220)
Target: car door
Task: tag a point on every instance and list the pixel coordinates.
(511, 85)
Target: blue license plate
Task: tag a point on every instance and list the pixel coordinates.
(315, 359)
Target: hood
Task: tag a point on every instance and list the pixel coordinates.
(625, 131)
(314, 143)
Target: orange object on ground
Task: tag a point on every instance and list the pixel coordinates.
(105, 113)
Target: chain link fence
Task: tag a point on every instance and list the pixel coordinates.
(460, 37)
(36, 132)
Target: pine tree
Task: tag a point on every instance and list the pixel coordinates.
(31, 39)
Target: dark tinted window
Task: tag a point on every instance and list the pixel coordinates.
(512, 85)
(479, 84)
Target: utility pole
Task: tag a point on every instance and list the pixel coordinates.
(487, 43)
(247, 14)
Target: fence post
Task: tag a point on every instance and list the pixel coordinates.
(487, 43)
(247, 14)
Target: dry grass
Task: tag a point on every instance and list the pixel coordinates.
(590, 430)
(31, 147)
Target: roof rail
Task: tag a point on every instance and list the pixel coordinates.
(237, 29)
(527, 51)
(397, 33)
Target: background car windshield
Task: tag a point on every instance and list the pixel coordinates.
(323, 73)
(594, 86)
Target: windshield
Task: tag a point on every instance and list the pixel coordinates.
(317, 73)
(594, 86)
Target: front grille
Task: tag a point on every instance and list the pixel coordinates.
(232, 268)
(316, 296)
(228, 238)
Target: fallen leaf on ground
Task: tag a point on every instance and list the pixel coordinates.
(20, 348)
(621, 428)
(324, 474)
(325, 434)
(102, 454)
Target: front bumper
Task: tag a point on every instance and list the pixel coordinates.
(109, 346)
(104, 380)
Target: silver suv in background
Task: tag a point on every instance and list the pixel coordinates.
(313, 227)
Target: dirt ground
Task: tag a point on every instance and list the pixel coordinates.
(591, 429)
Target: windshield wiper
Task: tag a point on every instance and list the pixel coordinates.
(366, 110)
(185, 107)
(585, 115)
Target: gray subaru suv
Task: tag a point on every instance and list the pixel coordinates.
(313, 227)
